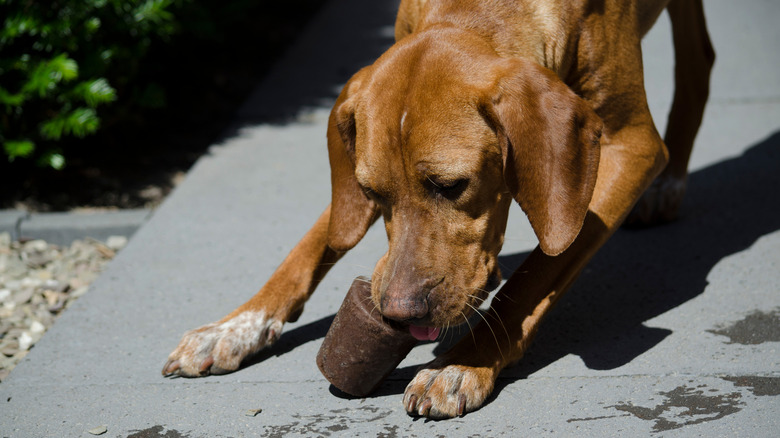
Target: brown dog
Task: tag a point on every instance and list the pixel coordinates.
(480, 102)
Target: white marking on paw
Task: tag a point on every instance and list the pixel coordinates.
(229, 342)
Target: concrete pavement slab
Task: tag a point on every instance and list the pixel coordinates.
(670, 331)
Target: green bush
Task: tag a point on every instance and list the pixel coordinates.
(62, 62)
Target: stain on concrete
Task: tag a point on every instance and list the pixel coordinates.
(684, 406)
(756, 328)
(759, 386)
(281, 431)
(332, 423)
(388, 432)
(157, 432)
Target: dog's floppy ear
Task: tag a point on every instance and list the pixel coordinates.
(550, 143)
(351, 212)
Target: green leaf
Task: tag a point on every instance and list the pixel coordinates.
(95, 92)
(47, 74)
(83, 121)
(92, 25)
(64, 68)
(53, 129)
(79, 122)
(154, 11)
(18, 148)
(16, 26)
(11, 99)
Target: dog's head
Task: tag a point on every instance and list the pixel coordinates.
(439, 135)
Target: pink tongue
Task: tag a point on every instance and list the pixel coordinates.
(424, 333)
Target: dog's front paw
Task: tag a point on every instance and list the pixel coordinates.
(219, 348)
(448, 391)
(660, 203)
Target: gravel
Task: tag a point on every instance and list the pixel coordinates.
(38, 281)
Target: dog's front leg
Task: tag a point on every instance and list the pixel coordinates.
(219, 347)
(460, 380)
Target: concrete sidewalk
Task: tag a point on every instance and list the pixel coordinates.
(672, 331)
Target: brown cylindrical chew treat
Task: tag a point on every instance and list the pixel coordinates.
(362, 348)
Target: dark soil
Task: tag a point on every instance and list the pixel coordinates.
(140, 154)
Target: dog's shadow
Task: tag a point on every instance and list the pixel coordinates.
(638, 275)
(292, 339)
(642, 273)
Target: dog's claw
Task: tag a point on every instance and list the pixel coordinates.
(205, 365)
(461, 405)
(170, 368)
(412, 404)
(425, 407)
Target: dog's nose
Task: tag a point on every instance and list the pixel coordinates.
(404, 308)
(405, 301)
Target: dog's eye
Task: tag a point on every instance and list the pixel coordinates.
(374, 196)
(450, 189)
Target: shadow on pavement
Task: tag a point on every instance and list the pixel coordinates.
(640, 274)
(312, 74)
(291, 339)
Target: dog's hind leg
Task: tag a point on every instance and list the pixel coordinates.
(694, 58)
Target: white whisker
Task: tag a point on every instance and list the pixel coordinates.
(489, 328)
(471, 330)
